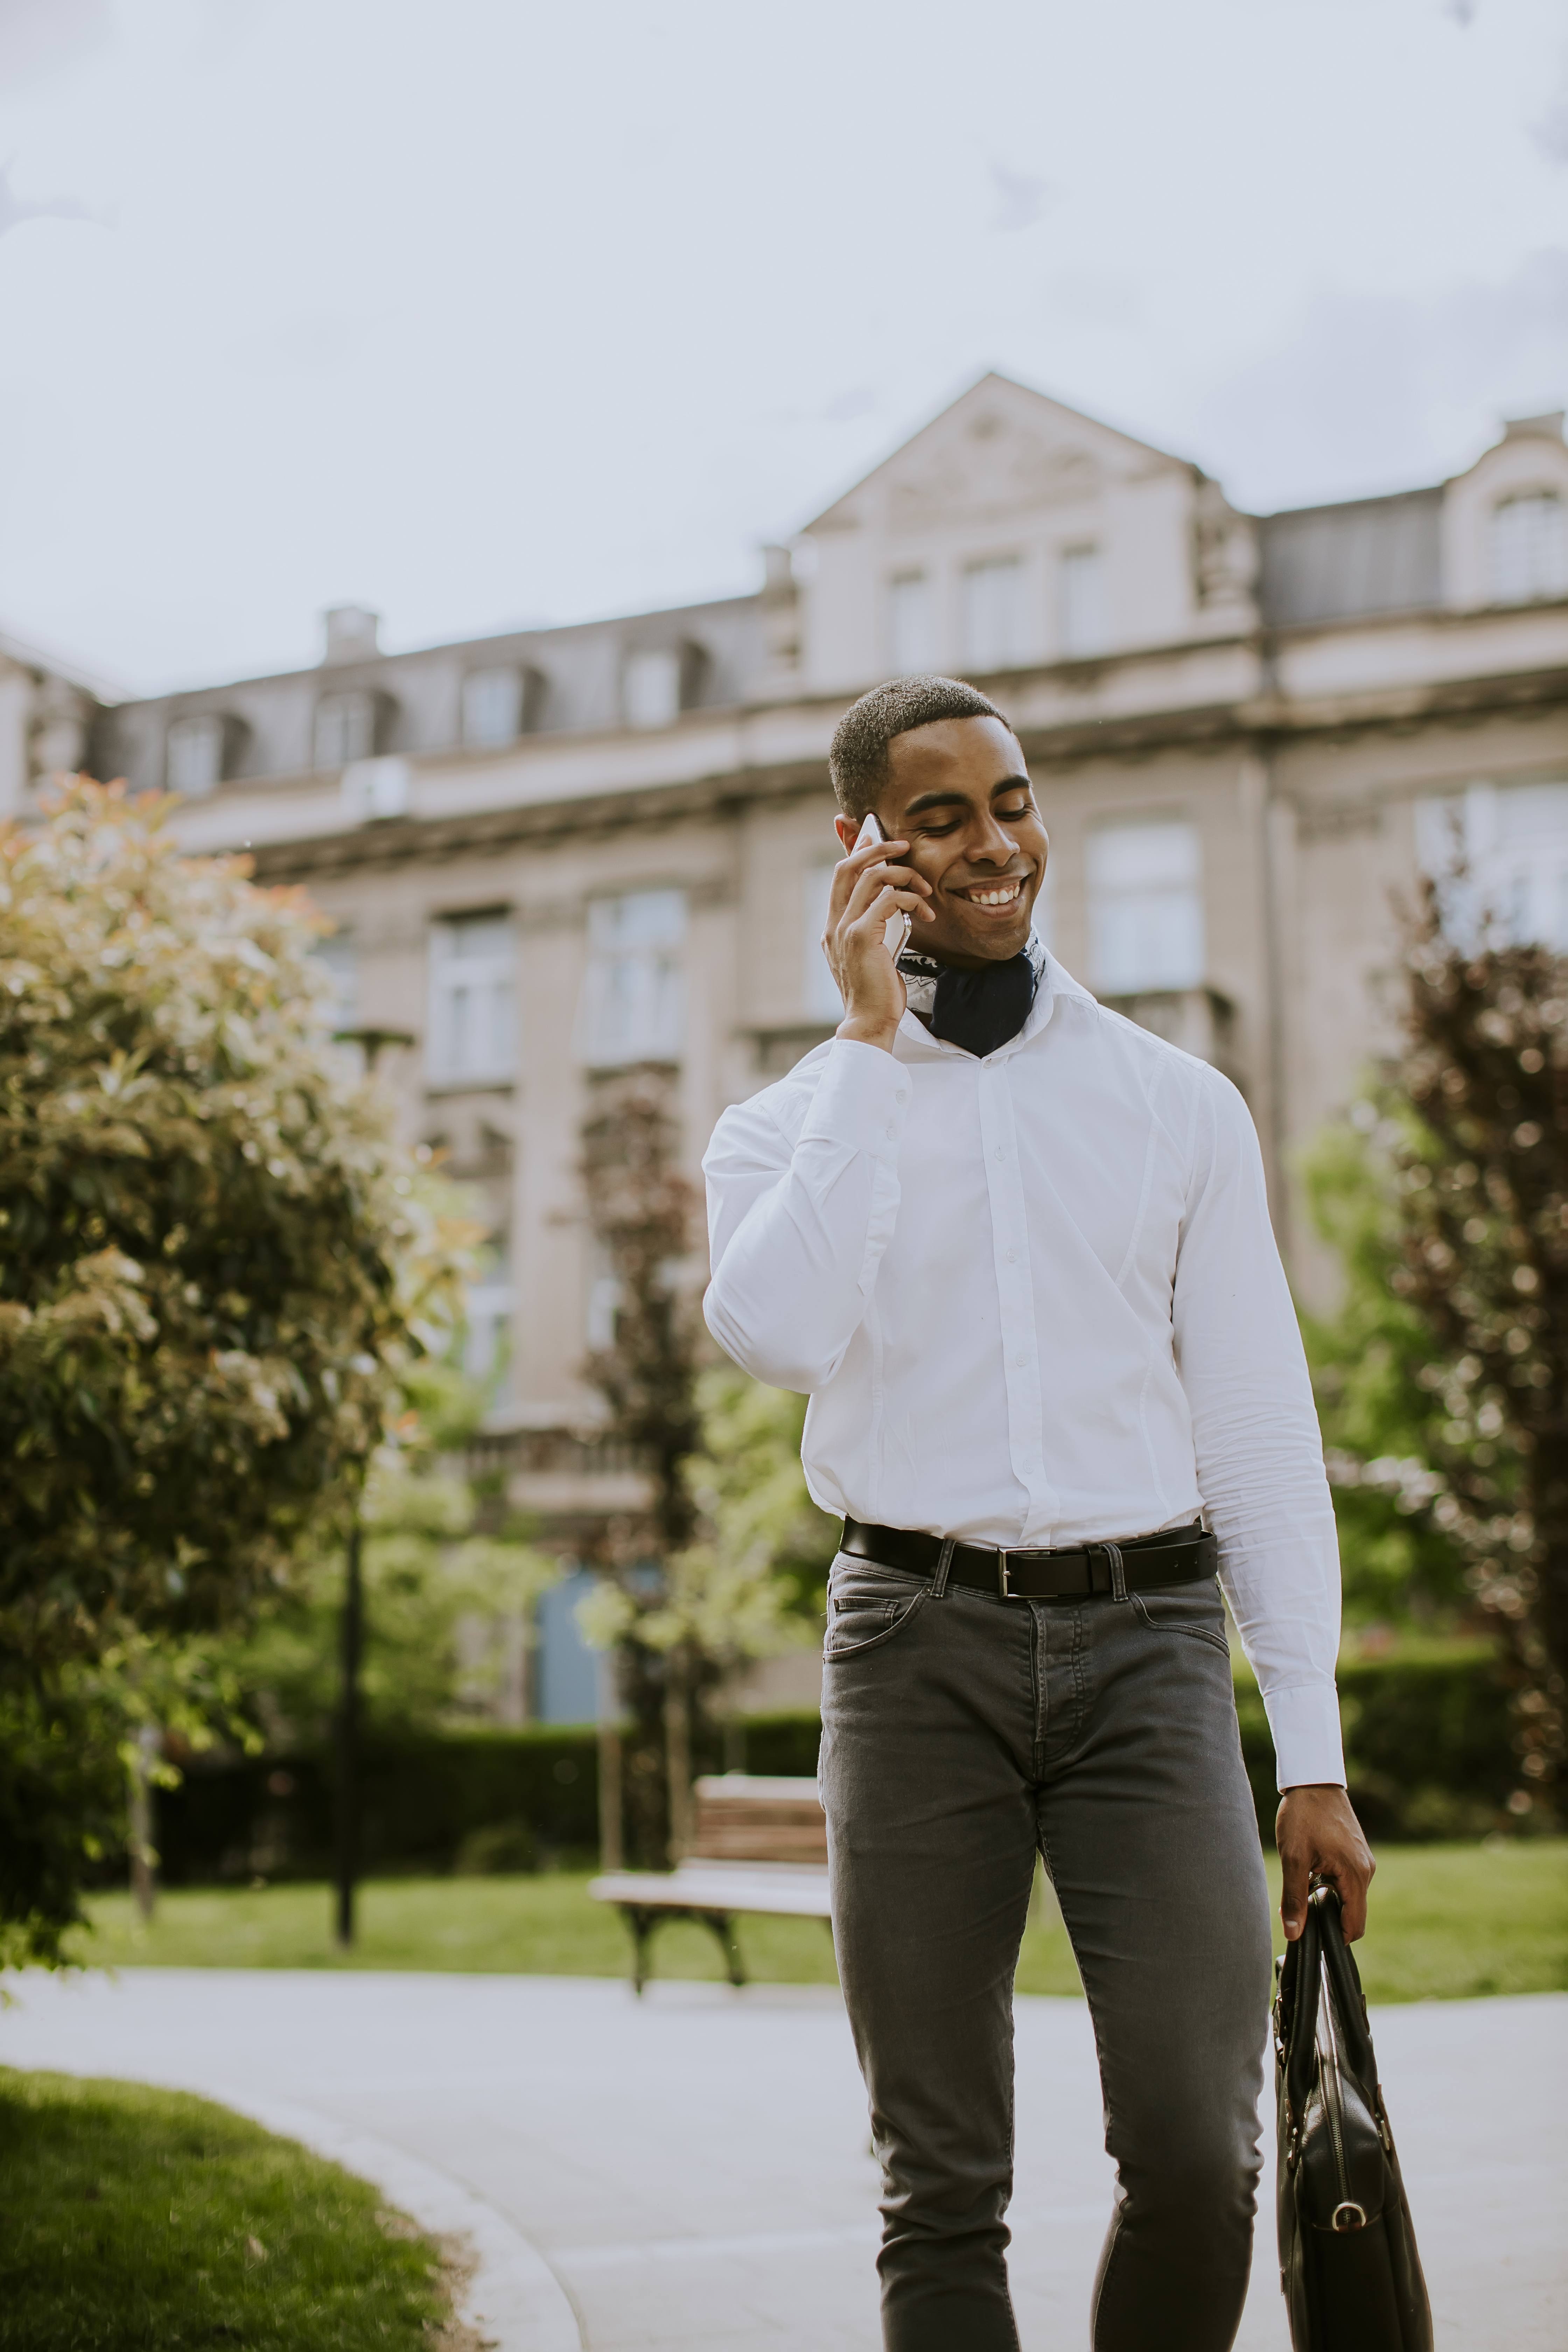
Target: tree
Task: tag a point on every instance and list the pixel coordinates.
(1444, 1377)
(450, 1588)
(750, 1584)
(217, 1269)
(727, 1563)
(1482, 1195)
(1369, 1360)
(640, 1210)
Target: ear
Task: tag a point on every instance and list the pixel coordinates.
(848, 830)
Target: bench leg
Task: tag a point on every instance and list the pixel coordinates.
(641, 1923)
(723, 1927)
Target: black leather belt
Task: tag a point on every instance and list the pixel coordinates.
(1179, 1556)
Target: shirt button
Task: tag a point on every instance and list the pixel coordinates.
(1020, 1359)
(902, 1097)
(892, 1131)
(1012, 1257)
(1001, 1151)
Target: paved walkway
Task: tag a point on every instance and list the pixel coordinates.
(694, 2169)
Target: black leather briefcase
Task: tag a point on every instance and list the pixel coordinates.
(1348, 2265)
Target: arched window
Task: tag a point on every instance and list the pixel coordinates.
(1528, 548)
(195, 747)
(345, 727)
(492, 708)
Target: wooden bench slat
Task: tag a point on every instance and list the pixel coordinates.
(761, 1845)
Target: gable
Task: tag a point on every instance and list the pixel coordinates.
(1001, 450)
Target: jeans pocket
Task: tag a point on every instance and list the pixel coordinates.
(867, 1605)
(1194, 1610)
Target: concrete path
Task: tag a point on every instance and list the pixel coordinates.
(693, 2169)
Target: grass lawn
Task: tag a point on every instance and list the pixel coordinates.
(1448, 1921)
(139, 2221)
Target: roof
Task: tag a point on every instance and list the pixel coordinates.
(1366, 555)
(1022, 400)
(38, 657)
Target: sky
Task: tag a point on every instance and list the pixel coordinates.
(486, 313)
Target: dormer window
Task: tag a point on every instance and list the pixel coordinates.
(345, 729)
(1528, 548)
(492, 708)
(193, 762)
(1085, 626)
(994, 629)
(651, 687)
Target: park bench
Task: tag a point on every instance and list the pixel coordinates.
(760, 1846)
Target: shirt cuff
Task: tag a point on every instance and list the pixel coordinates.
(1305, 1723)
(862, 1098)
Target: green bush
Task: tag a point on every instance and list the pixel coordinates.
(1428, 1746)
(1428, 1741)
(428, 1799)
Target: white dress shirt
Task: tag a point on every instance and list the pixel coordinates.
(1036, 1299)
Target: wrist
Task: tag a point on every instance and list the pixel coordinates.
(860, 1030)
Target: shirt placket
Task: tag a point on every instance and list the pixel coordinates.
(1015, 1297)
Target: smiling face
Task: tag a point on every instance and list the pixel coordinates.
(958, 792)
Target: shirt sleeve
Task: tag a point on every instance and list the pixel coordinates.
(1258, 1448)
(796, 1235)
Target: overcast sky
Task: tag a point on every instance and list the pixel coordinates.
(479, 311)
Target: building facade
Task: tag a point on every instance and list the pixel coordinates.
(553, 853)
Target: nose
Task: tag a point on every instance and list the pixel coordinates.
(996, 846)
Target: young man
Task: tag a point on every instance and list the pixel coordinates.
(1017, 1253)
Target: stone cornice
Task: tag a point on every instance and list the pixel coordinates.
(1262, 721)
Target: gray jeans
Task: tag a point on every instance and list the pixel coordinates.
(960, 1732)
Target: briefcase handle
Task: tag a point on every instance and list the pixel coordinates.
(1320, 1950)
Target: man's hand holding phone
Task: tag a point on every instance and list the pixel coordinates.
(869, 890)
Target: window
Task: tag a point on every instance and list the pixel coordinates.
(821, 990)
(345, 729)
(1530, 548)
(472, 999)
(492, 706)
(1085, 629)
(194, 762)
(373, 789)
(1513, 841)
(1145, 907)
(636, 1008)
(652, 688)
(909, 634)
(338, 957)
(993, 615)
(488, 1305)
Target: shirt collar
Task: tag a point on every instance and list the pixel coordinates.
(920, 976)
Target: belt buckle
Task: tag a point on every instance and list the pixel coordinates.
(1003, 1590)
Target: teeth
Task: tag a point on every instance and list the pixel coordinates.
(1004, 898)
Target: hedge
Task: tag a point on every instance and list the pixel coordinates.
(1428, 1743)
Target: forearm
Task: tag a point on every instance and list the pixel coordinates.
(1256, 1445)
(1282, 1582)
(795, 1249)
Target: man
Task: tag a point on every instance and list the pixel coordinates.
(1017, 1253)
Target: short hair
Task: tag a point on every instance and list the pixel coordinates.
(857, 759)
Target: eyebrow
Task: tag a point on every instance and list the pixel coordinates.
(961, 800)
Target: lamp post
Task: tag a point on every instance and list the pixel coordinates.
(370, 1042)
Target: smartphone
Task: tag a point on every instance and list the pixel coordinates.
(896, 938)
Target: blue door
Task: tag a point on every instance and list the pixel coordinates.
(568, 1682)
